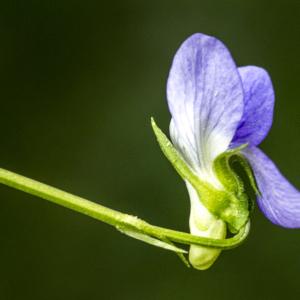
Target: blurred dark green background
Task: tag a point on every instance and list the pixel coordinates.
(79, 82)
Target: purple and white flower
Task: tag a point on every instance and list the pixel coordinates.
(216, 106)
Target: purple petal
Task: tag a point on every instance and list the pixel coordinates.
(205, 97)
(259, 104)
(279, 200)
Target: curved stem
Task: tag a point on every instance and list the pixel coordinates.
(112, 217)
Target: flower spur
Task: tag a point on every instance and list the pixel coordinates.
(220, 113)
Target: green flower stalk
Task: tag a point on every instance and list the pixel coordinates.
(128, 224)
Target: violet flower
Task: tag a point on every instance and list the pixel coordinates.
(216, 107)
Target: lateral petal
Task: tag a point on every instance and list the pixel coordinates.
(279, 200)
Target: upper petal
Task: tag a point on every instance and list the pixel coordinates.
(205, 97)
(259, 103)
(279, 200)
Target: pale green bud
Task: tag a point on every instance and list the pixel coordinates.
(205, 224)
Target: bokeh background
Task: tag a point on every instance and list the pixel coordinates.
(79, 82)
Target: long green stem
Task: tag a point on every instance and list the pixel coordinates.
(121, 221)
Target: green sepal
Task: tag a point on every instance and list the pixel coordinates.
(178, 162)
(224, 172)
(162, 242)
(248, 170)
(240, 202)
(212, 198)
(167, 245)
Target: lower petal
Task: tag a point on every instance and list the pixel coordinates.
(279, 199)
